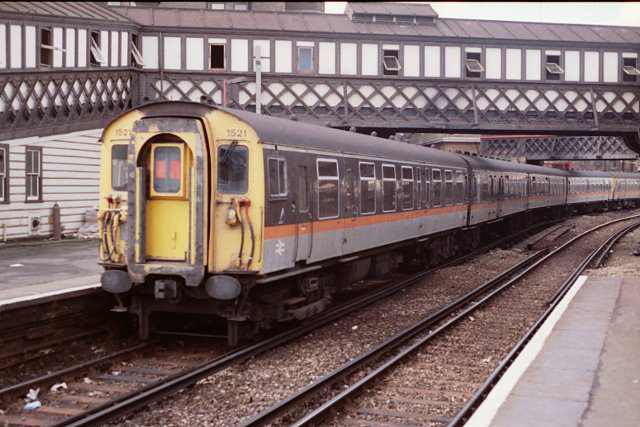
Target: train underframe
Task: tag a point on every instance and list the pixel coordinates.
(260, 307)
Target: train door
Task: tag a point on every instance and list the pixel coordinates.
(500, 197)
(166, 220)
(350, 209)
(167, 196)
(303, 216)
(493, 197)
(328, 230)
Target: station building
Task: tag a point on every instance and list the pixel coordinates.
(66, 69)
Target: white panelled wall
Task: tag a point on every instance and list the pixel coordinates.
(70, 176)
(71, 47)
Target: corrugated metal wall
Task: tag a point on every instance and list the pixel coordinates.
(70, 177)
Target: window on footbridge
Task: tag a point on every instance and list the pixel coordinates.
(96, 57)
(390, 62)
(136, 56)
(554, 70)
(305, 59)
(473, 66)
(46, 47)
(216, 57)
(630, 71)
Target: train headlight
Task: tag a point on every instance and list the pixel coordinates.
(223, 287)
(116, 281)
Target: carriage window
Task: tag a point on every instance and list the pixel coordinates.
(459, 188)
(167, 170)
(348, 190)
(437, 187)
(328, 203)
(303, 202)
(533, 189)
(484, 190)
(427, 187)
(419, 189)
(277, 177)
(388, 188)
(407, 187)
(367, 188)
(448, 189)
(233, 165)
(119, 167)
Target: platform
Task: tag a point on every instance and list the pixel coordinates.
(582, 368)
(43, 271)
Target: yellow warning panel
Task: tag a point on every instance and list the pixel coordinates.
(167, 229)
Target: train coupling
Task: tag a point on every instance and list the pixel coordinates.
(166, 289)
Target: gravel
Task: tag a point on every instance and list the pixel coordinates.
(240, 392)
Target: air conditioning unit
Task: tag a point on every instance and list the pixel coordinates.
(33, 225)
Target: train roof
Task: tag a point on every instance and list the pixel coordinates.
(503, 165)
(583, 173)
(308, 136)
(304, 135)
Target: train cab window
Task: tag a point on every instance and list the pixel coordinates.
(407, 187)
(167, 169)
(119, 167)
(388, 188)
(448, 188)
(233, 168)
(277, 177)
(459, 188)
(328, 201)
(437, 187)
(367, 188)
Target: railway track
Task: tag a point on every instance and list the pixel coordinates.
(135, 385)
(38, 332)
(426, 373)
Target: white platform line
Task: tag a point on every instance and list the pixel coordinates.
(25, 298)
(483, 416)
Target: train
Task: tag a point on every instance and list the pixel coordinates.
(253, 220)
